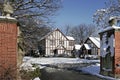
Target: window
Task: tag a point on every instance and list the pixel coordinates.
(51, 51)
(118, 23)
(71, 43)
(61, 42)
(92, 45)
(52, 42)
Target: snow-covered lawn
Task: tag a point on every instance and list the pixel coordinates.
(55, 60)
(92, 69)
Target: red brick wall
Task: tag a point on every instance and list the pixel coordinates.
(8, 46)
(117, 52)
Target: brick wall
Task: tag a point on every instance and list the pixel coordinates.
(117, 52)
(8, 46)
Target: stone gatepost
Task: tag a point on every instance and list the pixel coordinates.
(8, 47)
(110, 51)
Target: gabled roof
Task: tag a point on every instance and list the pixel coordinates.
(51, 33)
(95, 40)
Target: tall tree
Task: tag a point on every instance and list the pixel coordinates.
(102, 16)
(32, 32)
(33, 17)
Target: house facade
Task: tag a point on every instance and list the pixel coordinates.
(56, 43)
(91, 46)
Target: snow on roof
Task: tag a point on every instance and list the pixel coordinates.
(77, 46)
(70, 38)
(87, 46)
(96, 41)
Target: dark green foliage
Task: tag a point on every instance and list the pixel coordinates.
(28, 75)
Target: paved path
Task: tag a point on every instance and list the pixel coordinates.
(61, 74)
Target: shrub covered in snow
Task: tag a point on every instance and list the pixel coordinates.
(30, 75)
(29, 71)
(26, 66)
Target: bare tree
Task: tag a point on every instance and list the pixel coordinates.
(82, 31)
(31, 33)
(92, 30)
(101, 16)
(67, 29)
(32, 8)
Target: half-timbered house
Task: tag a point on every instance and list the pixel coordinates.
(56, 43)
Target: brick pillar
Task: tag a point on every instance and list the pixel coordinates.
(114, 71)
(117, 52)
(8, 47)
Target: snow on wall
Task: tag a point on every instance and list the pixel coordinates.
(111, 44)
(107, 47)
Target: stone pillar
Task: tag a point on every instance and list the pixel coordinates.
(110, 51)
(8, 47)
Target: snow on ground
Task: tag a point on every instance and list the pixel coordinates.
(55, 60)
(37, 78)
(92, 69)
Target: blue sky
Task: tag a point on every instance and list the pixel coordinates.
(75, 12)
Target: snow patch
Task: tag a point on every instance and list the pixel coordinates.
(37, 78)
(95, 70)
(77, 46)
(7, 17)
(111, 44)
(27, 66)
(87, 46)
(70, 38)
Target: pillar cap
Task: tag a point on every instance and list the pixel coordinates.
(7, 19)
(109, 28)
